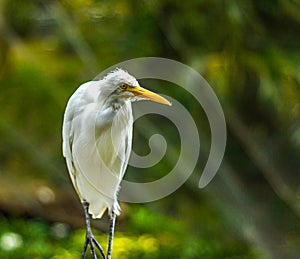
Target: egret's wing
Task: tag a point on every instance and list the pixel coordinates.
(73, 108)
(68, 135)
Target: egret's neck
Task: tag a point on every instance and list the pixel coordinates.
(113, 109)
(116, 102)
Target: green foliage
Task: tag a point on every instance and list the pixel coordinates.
(153, 236)
(249, 53)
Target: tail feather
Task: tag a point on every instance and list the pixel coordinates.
(98, 207)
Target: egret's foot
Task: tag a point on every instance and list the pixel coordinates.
(90, 240)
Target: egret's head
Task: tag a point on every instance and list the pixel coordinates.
(125, 86)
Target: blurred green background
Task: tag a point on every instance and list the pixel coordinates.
(248, 51)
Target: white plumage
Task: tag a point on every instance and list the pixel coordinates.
(96, 151)
(97, 137)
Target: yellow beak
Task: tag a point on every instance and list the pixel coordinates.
(148, 95)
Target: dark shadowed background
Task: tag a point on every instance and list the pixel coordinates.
(249, 53)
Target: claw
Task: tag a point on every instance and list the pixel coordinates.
(89, 238)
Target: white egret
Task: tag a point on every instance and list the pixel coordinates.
(97, 136)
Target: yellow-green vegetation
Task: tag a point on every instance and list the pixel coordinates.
(148, 235)
(249, 53)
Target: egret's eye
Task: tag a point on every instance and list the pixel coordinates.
(124, 86)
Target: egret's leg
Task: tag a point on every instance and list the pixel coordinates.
(111, 235)
(89, 238)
